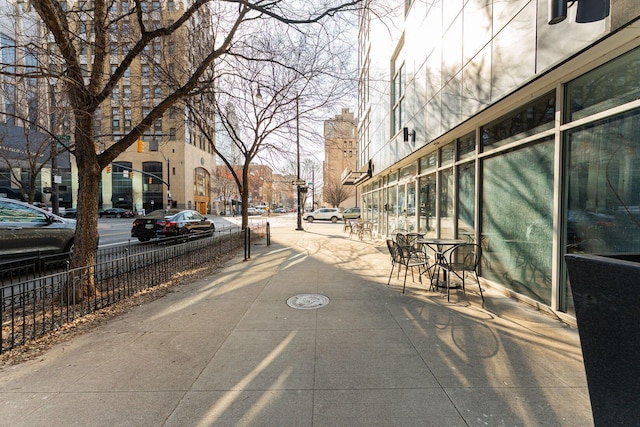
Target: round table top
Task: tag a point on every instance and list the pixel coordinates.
(441, 241)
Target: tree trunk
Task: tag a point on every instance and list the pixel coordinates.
(89, 174)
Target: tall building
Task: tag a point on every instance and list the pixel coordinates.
(172, 164)
(340, 155)
(500, 123)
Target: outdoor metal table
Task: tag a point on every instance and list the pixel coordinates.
(440, 247)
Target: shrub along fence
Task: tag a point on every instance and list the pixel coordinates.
(46, 300)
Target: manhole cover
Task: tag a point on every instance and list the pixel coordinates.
(307, 301)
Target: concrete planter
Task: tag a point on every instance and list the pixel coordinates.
(606, 294)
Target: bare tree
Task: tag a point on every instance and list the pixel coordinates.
(225, 186)
(336, 193)
(89, 79)
(266, 98)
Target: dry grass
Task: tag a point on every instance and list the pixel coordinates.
(68, 331)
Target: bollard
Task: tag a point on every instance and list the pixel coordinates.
(268, 234)
(247, 243)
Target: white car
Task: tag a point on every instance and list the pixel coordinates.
(327, 214)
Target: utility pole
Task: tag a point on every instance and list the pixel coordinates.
(299, 227)
(55, 207)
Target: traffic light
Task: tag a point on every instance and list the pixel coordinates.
(140, 146)
(108, 168)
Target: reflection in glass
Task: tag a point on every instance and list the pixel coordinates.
(375, 210)
(446, 203)
(603, 208)
(410, 216)
(517, 199)
(528, 120)
(402, 207)
(610, 85)
(390, 207)
(467, 146)
(427, 216)
(466, 201)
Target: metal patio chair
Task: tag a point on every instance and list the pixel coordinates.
(462, 259)
(403, 256)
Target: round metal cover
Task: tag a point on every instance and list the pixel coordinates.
(307, 301)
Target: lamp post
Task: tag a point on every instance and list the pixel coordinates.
(299, 227)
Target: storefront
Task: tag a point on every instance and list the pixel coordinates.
(531, 181)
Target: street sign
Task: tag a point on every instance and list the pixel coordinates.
(298, 182)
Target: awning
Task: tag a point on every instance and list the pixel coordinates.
(356, 177)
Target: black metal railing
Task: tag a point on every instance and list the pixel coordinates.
(43, 294)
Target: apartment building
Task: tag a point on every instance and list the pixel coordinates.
(508, 123)
(172, 164)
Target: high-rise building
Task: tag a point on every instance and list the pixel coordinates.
(172, 163)
(340, 156)
(507, 124)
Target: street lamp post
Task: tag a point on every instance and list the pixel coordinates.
(299, 227)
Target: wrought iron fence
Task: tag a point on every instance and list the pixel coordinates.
(41, 295)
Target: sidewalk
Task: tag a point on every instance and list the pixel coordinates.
(229, 351)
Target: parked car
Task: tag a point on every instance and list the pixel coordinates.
(26, 230)
(328, 214)
(171, 222)
(280, 210)
(351, 213)
(253, 211)
(116, 213)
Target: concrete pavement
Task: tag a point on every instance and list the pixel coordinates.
(227, 350)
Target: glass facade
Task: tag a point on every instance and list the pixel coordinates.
(122, 194)
(517, 212)
(512, 194)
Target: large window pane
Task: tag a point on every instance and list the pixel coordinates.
(603, 188)
(428, 205)
(122, 194)
(410, 216)
(446, 203)
(528, 120)
(517, 220)
(613, 84)
(466, 200)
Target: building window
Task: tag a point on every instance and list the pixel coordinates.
(528, 120)
(158, 124)
(172, 134)
(397, 93)
(608, 86)
(517, 201)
